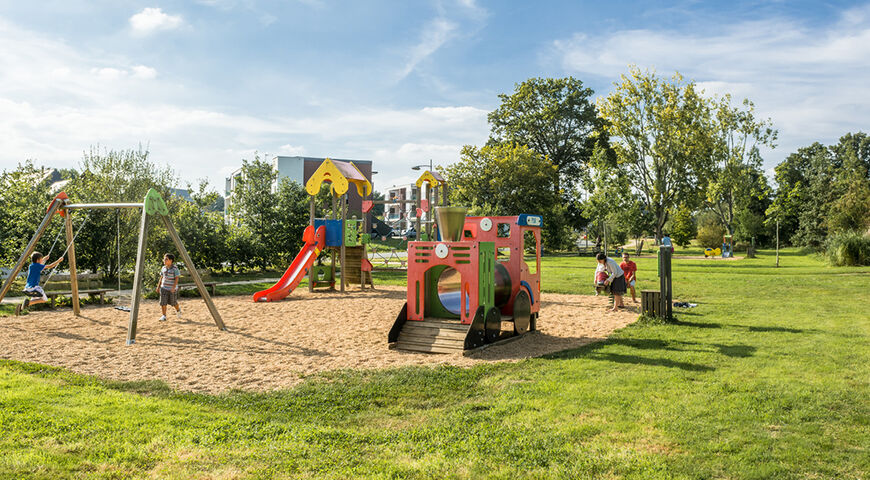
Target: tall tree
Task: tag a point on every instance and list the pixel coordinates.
(253, 204)
(735, 176)
(819, 190)
(552, 116)
(664, 135)
(508, 179)
(24, 196)
(109, 176)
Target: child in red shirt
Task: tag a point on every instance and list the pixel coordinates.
(630, 269)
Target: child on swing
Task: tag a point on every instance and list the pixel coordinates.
(167, 287)
(34, 272)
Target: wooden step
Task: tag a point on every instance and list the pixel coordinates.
(423, 330)
(426, 348)
(432, 335)
(430, 340)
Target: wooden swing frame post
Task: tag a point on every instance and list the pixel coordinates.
(71, 259)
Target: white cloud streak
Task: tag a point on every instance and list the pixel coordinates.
(435, 34)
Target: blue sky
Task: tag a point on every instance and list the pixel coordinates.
(206, 83)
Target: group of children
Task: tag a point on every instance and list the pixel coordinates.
(617, 277)
(167, 287)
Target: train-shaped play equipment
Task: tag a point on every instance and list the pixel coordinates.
(480, 284)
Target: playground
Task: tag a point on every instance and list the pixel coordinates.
(276, 345)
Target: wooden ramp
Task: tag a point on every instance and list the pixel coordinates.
(432, 335)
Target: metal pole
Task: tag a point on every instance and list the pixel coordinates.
(193, 273)
(73, 276)
(76, 206)
(137, 279)
(30, 246)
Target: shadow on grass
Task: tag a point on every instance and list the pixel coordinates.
(775, 329)
(655, 362)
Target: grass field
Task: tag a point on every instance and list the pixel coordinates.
(767, 378)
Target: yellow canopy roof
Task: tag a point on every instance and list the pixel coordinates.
(340, 175)
(434, 178)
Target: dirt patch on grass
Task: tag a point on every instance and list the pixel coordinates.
(272, 345)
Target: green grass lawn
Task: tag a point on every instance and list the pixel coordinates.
(766, 378)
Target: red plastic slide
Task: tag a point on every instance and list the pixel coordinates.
(314, 243)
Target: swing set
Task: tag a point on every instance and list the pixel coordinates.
(152, 206)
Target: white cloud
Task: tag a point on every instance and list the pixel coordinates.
(434, 36)
(143, 72)
(290, 150)
(57, 101)
(810, 80)
(150, 20)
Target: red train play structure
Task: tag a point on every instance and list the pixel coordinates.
(479, 285)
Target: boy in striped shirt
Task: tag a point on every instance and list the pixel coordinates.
(167, 287)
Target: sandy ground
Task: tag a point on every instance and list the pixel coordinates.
(272, 345)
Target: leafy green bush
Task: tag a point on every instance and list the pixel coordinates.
(710, 235)
(848, 248)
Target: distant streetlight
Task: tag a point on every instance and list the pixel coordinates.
(418, 167)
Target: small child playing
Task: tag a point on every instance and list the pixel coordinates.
(167, 287)
(630, 269)
(34, 272)
(600, 279)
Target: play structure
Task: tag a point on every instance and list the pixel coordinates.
(727, 246)
(482, 273)
(338, 235)
(152, 206)
(727, 250)
(428, 192)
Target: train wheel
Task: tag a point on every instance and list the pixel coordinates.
(522, 312)
(493, 325)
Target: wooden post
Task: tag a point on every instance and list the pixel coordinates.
(332, 249)
(193, 273)
(30, 247)
(343, 207)
(666, 306)
(311, 270)
(137, 279)
(73, 275)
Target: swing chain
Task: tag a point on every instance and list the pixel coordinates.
(81, 227)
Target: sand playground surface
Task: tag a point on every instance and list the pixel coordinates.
(270, 346)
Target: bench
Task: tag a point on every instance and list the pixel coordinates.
(212, 286)
(96, 292)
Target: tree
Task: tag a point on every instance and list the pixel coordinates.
(683, 229)
(508, 179)
(377, 209)
(116, 176)
(253, 205)
(553, 117)
(202, 230)
(291, 218)
(664, 139)
(735, 177)
(24, 196)
(819, 190)
(612, 208)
